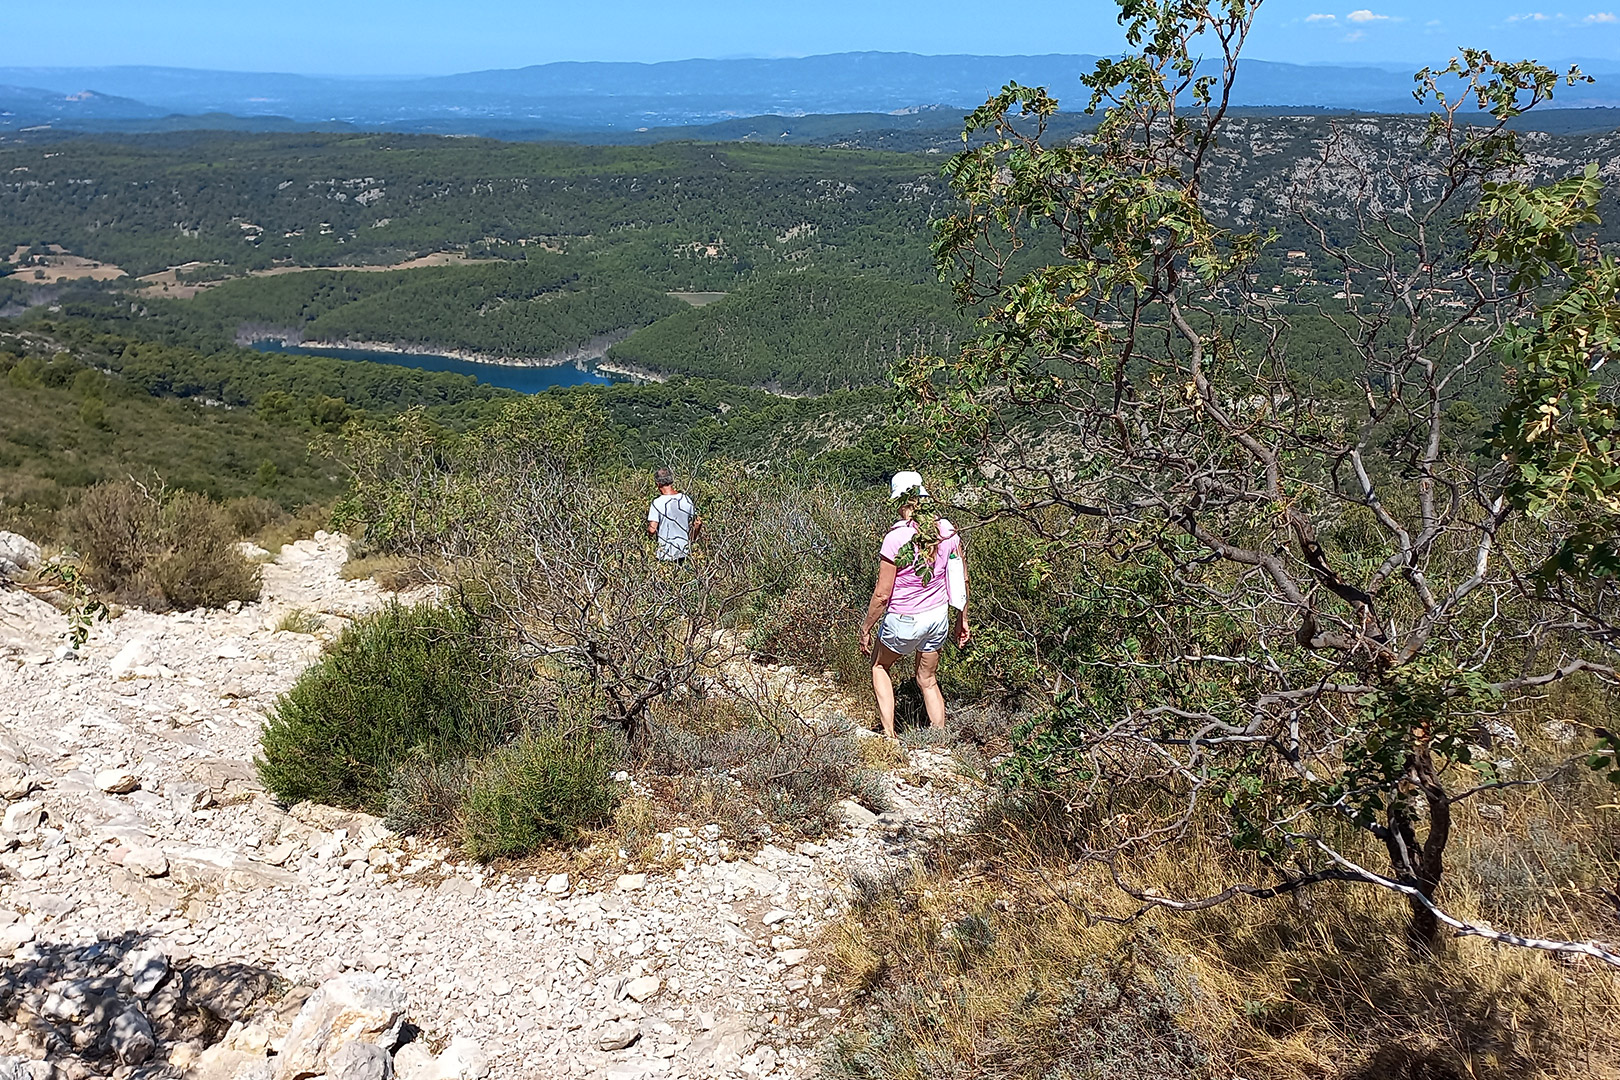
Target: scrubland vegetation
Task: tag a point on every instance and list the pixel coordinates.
(1289, 712)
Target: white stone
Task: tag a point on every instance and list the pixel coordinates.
(557, 884)
(23, 816)
(463, 1059)
(776, 915)
(354, 1007)
(793, 957)
(117, 781)
(854, 814)
(146, 968)
(617, 1034)
(642, 988)
(631, 882)
(15, 936)
(146, 861)
(136, 654)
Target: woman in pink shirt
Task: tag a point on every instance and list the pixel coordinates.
(912, 601)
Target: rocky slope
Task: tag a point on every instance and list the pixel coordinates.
(150, 890)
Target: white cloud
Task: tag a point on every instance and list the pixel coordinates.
(1320, 18)
(1355, 35)
(1362, 15)
(1529, 16)
(1432, 22)
(1601, 17)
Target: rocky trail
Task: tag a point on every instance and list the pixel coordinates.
(160, 915)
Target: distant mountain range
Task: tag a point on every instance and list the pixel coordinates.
(571, 99)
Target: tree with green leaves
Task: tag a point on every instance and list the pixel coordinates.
(1322, 620)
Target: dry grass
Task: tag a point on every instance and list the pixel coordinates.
(300, 526)
(389, 571)
(1004, 963)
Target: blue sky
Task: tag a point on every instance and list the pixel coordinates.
(423, 37)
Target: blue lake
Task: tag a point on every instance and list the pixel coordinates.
(527, 380)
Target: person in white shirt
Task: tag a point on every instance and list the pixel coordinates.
(672, 519)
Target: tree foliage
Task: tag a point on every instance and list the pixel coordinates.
(1334, 607)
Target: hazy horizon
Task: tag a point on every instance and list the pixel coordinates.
(413, 38)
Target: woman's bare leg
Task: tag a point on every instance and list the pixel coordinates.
(928, 683)
(883, 659)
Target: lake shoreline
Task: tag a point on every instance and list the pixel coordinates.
(290, 343)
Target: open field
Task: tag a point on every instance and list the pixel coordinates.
(167, 283)
(59, 265)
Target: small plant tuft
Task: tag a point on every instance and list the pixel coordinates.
(301, 621)
(543, 788)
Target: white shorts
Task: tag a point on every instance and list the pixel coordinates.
(925, 631)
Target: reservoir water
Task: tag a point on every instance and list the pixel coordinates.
(527, 380)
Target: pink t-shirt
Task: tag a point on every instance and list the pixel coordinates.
(911, 596)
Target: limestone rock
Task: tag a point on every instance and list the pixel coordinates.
(133, 655)
(222, 1063)
(360, 1061)
(557, 884)
(617, 1034)
(854, 814)
(631, 882)
(146, 968)
(146, 862)
(18, 554)
(413, 1061)
(16, 782)
(463, 1059)
(642, 988)
(793, 957)
(15, 936)
(227, 991)
(117, 781)
(23, 816)
(130, 1037)
(349, 1008)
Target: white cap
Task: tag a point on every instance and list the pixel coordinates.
(904, 482)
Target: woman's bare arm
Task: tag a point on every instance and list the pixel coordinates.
(882, 593)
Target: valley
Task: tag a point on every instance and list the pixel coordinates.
(455, 591)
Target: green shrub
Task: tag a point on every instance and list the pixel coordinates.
(201, 565)
(250, 514)
(543, 788)
(813, 627)
(160, 550)
(426, 680)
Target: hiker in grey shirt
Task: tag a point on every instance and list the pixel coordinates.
(672, 519)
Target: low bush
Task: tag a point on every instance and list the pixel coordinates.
(813, 626)
(771, 770)
(251, 515)
(431, 681)
(160, 550)
(542, 788)
(201, 565)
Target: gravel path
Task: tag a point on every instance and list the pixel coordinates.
(131, 808)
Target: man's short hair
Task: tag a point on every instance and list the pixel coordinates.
(664, 477)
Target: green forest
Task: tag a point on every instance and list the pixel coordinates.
(800, 333)
(529, 308)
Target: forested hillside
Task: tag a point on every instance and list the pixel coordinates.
(687, 215)
(521, 309)
(800, 333)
